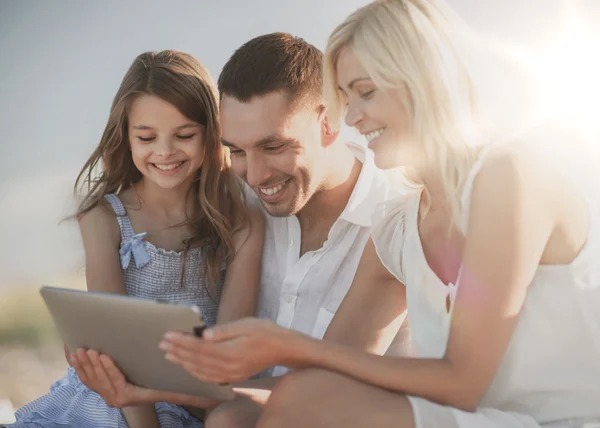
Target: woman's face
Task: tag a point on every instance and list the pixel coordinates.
(378, 114)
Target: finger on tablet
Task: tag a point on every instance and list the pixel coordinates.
(85, 364)
(114, 374)
(104, 381)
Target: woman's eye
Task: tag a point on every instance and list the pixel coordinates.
(366, 95)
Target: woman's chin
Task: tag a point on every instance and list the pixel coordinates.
(385, 160)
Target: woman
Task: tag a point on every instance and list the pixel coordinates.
(496, 253)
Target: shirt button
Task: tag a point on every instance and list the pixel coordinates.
(288, 299)
(291, 242)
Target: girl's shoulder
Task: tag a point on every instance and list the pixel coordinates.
(100, 223)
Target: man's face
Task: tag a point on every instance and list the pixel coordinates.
(275, 149)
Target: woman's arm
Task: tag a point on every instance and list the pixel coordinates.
(511, 220)
(368, 318)
(373, 310)
(512, 216)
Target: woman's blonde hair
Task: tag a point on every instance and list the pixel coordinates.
(412, 45)
(219, 207)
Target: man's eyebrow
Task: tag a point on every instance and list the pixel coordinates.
(227, 143)
(273, 138)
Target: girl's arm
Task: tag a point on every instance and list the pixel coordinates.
(238, 298)
(101, 239)
(514, 212)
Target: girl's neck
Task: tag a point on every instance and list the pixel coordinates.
(172, 204)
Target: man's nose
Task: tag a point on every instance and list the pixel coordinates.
(257, 170)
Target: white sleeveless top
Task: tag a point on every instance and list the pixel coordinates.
(551, 368)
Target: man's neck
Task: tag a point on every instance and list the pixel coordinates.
(327, 204)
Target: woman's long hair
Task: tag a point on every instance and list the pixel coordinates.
(412, 45)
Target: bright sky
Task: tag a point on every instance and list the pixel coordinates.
(62, 61)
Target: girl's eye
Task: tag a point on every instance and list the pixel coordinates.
(146, 139)
(185, 137)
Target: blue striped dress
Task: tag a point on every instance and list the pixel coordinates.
(148, 272)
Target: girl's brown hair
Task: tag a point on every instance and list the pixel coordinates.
(178, 78)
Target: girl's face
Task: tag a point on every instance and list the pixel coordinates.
(167, 147)
(378, 114)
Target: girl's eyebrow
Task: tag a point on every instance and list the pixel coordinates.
(185, 125)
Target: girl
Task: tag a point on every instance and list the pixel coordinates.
(164, 220)
(495, 252)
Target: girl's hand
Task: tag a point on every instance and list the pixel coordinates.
(67, 354)
(100, 374)
(232, 352)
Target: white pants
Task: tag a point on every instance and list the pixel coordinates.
(432, 415)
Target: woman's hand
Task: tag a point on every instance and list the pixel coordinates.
(100, 374)
(232, 352)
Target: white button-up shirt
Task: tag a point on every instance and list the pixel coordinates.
(303, 293)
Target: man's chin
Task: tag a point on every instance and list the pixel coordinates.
(280, 209)
(277, 212)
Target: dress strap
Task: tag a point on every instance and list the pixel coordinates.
(125, 226)
(132, 244)
(468, 187)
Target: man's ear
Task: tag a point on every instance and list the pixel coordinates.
(328, 133)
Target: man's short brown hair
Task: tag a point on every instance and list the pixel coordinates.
(274, 62)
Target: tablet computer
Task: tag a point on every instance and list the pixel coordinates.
(129, 329)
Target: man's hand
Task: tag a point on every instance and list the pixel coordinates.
(231, 352)
(100, 374)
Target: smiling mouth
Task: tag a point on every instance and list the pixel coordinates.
(273, 190)
(372, 135)
(168, 166)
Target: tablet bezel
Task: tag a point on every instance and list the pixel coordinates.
(129, 329)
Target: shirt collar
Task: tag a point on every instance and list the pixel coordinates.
(370, 189)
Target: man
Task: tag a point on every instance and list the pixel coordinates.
(318, 193)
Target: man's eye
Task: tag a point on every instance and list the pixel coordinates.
(273, 148)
